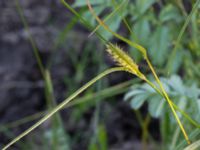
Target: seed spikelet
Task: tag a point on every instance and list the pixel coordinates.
(122, 59)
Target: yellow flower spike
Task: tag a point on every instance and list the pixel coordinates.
(124, 60)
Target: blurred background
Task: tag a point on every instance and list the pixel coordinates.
(111, 114)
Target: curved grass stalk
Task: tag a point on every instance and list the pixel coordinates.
(88, 26)
(105, 93)
(168, 100)
(63, 104)
(143, 51)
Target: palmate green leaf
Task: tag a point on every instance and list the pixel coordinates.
(174, 86)
(159, 45)
(139, 95)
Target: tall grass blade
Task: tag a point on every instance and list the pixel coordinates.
(177, 44)
(63, 104)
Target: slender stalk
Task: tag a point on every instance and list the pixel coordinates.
(105, 93)
(168, 100)
(143, 51)
(194, 123)
(135, 45)
(83, 20)
(123, 18)
(108, 17)
(61, 105)
(145, 131)
(35, 50)
(177, 44)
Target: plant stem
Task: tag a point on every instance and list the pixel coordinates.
(196, 124)
(168, 100)
(35, 50)
(143, 51)
(61, 105)
(177, 44)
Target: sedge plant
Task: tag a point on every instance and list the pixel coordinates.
(126, 64)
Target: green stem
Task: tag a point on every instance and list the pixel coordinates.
(35, 50)
(108, 17)
(61, 105)
(177, 44)
(168, 100)
(82, 20)
(105, 93)
(143, 51)
(196, 124)
(145, 131)
(133, 44)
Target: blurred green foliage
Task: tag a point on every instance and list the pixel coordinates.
(156, 25)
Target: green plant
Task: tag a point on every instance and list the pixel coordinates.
(186, 98)
(128, 65)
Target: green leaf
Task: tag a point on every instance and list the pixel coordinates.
(143, 5)
(193, 91)
(168, 13)
(176, 63)
(142, 31)
(176, 84)
(159, 45)
(138, 100)
(141, 35)
(156, 104)
(133, 93)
